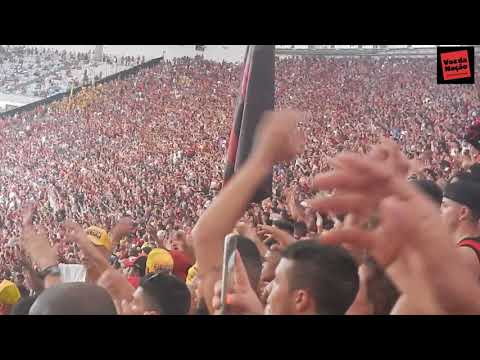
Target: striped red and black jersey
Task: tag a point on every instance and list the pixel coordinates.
(472, 243)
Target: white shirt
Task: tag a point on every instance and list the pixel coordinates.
(72, 273)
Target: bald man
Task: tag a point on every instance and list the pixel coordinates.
(74, 299)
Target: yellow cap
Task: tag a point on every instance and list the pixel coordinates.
(99, 237)
(159, 259)
(192, 274)
(9, 293)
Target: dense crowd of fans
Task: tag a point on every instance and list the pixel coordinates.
(42, 72)
(150, 148)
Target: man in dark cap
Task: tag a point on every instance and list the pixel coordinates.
(74, 299)
(461, 176)
(431, 189)
(471, 174)
(461, 212)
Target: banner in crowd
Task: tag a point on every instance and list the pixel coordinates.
(256, 96)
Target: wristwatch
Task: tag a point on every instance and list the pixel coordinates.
(52, 270)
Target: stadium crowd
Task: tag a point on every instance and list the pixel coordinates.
(43, 72)
(139, 163)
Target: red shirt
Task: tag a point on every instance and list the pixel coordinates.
(134, 281)
(181, 264)
(472, 243)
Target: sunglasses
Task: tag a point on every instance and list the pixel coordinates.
(158, 273)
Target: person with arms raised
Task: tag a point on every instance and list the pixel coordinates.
(36, 244)
(411, 242)
(159, 292)
(277, 139)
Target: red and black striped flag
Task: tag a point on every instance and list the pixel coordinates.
(256, 96)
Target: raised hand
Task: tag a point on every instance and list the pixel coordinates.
(38, 248)
(411, 242)
(248, 231)
(79, 236)
(297, 211)
(278, 138)
(284, 239)
(375, 180)
(124, 227)
(35, 242)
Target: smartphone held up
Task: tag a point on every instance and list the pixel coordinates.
(228, 268)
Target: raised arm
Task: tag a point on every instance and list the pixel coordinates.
(37, 283)
(295, 209)
(35, 243)
(249, 232)
(120, 230)
(282, 237)
(411, 241)
(277, 140)
(113, 281)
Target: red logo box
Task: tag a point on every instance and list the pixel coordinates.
(455, 65)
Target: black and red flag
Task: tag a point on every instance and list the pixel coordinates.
(256, 96)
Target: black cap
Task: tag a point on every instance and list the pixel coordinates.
(464, 192)
(463, 176)
(430, 188)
